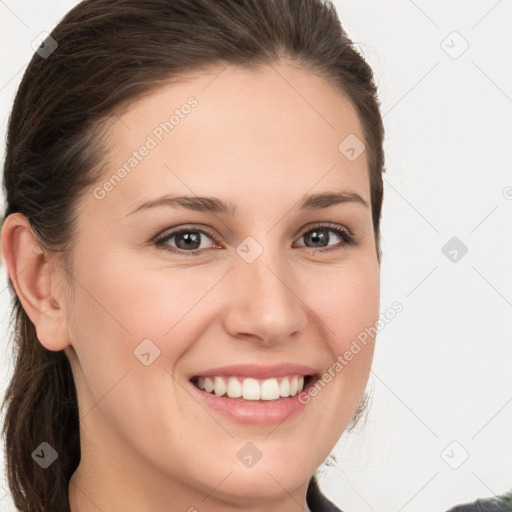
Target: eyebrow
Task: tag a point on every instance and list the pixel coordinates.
(215, 205)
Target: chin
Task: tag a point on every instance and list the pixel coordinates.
(245, 487)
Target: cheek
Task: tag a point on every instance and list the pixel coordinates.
(116, 311)
(349, 311)
(117, 307)
(349, 305)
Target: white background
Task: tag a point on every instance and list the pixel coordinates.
(443, 367)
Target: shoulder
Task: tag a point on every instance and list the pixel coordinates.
(501, 503)
(317, 502)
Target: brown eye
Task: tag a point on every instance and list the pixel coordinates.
(189, 240)
(186, 241)
(319, 237)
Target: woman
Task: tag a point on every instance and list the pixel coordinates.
(194, 194)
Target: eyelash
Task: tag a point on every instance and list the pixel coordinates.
(343, 233)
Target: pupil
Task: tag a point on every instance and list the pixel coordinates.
(319, 235)
(187, 236)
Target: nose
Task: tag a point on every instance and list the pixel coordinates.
(265, 305)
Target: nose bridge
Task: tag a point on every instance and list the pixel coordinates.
(264, 303)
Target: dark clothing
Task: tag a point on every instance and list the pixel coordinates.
(317, 502)
(501, 503)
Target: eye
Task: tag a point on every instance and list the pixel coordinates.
(189, 240)
(320, 235)
(186, 239)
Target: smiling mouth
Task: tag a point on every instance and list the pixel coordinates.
(252, 389)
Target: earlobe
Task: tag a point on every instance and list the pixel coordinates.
(35, 281)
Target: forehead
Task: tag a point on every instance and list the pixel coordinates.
(259, 133)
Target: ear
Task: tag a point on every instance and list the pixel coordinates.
(36, 281)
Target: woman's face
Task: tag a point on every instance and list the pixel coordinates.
(154, 308)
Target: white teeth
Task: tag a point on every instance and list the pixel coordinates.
(293, 386)
(208, 384)
(252, 389)
(284, 388)
(234, 388)
(219, 386)
(270, 389)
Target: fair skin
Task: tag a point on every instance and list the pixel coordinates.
(147, 444)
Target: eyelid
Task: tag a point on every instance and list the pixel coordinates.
(168, 233)
(328, 225)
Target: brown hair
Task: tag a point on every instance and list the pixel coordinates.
(110, 53)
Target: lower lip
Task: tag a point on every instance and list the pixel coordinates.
(254, 412)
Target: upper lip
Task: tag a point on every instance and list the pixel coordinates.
(258, 370)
